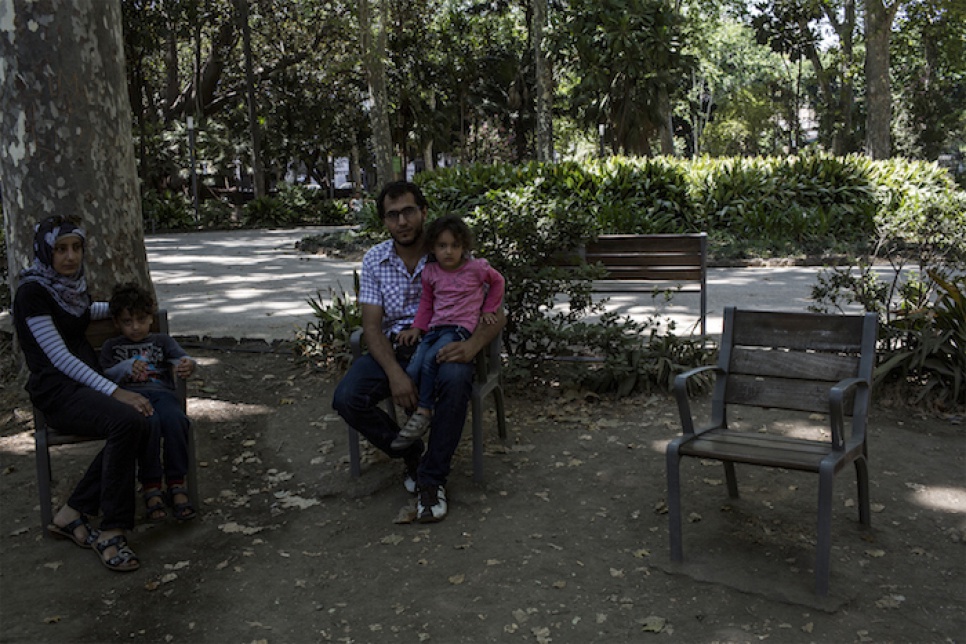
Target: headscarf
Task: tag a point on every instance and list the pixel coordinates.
(70, 293)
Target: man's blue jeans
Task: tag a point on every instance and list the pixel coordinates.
(423, 367)
(357, 399)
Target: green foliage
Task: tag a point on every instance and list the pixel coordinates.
(326, 340)
(166, 210)
(294, 205)
(922, 326)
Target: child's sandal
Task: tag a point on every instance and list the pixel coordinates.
(157, 511)
(182, 511)
(123, 561)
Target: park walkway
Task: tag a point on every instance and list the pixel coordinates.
(254, 284)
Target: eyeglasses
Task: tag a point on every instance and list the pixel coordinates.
(408, 212)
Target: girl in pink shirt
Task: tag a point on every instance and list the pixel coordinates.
(453, 302)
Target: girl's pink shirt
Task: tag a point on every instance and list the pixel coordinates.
(458, 297)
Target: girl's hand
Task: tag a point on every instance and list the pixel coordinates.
(139, 402)
(408, 337)
(185, 367)
(488, 318)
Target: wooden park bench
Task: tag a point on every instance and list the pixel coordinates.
(650, 264)
(784, 362)
(46, 436)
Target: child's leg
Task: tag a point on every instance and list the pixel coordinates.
(427, 386)
(174, 427)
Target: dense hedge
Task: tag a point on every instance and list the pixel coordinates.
(811, 201)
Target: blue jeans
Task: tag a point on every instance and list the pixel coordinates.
(423, 368)
(357, 399)
(169, 432)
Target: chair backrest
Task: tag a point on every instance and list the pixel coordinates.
(99, 331)
(787, 360)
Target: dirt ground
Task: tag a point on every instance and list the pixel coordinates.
(565, 541)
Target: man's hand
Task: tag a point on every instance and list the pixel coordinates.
(404, 392)
(458, 352)
(489, 318)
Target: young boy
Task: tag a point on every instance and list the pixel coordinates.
(140, 361)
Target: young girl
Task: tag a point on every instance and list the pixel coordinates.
(449, 310)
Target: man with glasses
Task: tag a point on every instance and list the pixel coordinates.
(389, 292)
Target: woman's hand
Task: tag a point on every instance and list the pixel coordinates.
(139, 402)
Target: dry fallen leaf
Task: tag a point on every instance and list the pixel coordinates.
(875, 553)
(52, 620)
(391, 540)
(653, 624)
(890, 601)
(456, 580)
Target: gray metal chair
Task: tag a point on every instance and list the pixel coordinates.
(488, 380)
(46, 436)
(784, 361)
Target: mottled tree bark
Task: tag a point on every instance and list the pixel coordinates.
(373, 45)
(65, 134)
(544, 84)
(878, 121)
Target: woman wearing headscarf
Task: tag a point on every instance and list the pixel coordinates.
(52, 310)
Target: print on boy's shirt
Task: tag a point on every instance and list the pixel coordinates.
(150, 353)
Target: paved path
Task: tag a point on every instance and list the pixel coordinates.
(254, 284)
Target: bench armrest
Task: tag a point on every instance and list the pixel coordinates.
(836, 403)
(681, 394)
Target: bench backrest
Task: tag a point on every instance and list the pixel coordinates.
(785, 360)
(651, 258)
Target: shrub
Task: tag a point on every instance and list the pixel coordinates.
(166, 210)
(327, 339)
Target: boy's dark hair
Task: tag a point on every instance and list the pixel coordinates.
(131, 297)
(456, 226)
(397, 189)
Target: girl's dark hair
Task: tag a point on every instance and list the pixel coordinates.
(455, 226)
(132, 298)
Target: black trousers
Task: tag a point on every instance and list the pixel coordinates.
(107, 487)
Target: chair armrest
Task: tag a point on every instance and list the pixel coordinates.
(836, 403)
(681, 394)
(355, 342)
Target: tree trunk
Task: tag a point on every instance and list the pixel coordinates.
(665, 127)
(544, 84)
(374, 55)
(878, 120)
(65, 132)
(258, 169)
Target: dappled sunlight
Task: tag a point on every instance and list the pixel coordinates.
(939, 497)
(214, 410)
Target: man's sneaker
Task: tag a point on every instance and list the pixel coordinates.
(412, 431)
(409, 482)
(431, 507)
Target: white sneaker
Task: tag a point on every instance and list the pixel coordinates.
(431, 507)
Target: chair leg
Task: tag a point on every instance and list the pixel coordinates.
(500, 412)
(194, 496)
(823, 550)
(862, 481)
(674, 502)
(477, 438)
(355, 470)
(731, 478)
(42, 451)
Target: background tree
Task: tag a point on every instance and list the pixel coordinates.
(372, 42)
(65, 132)
(624, 57)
